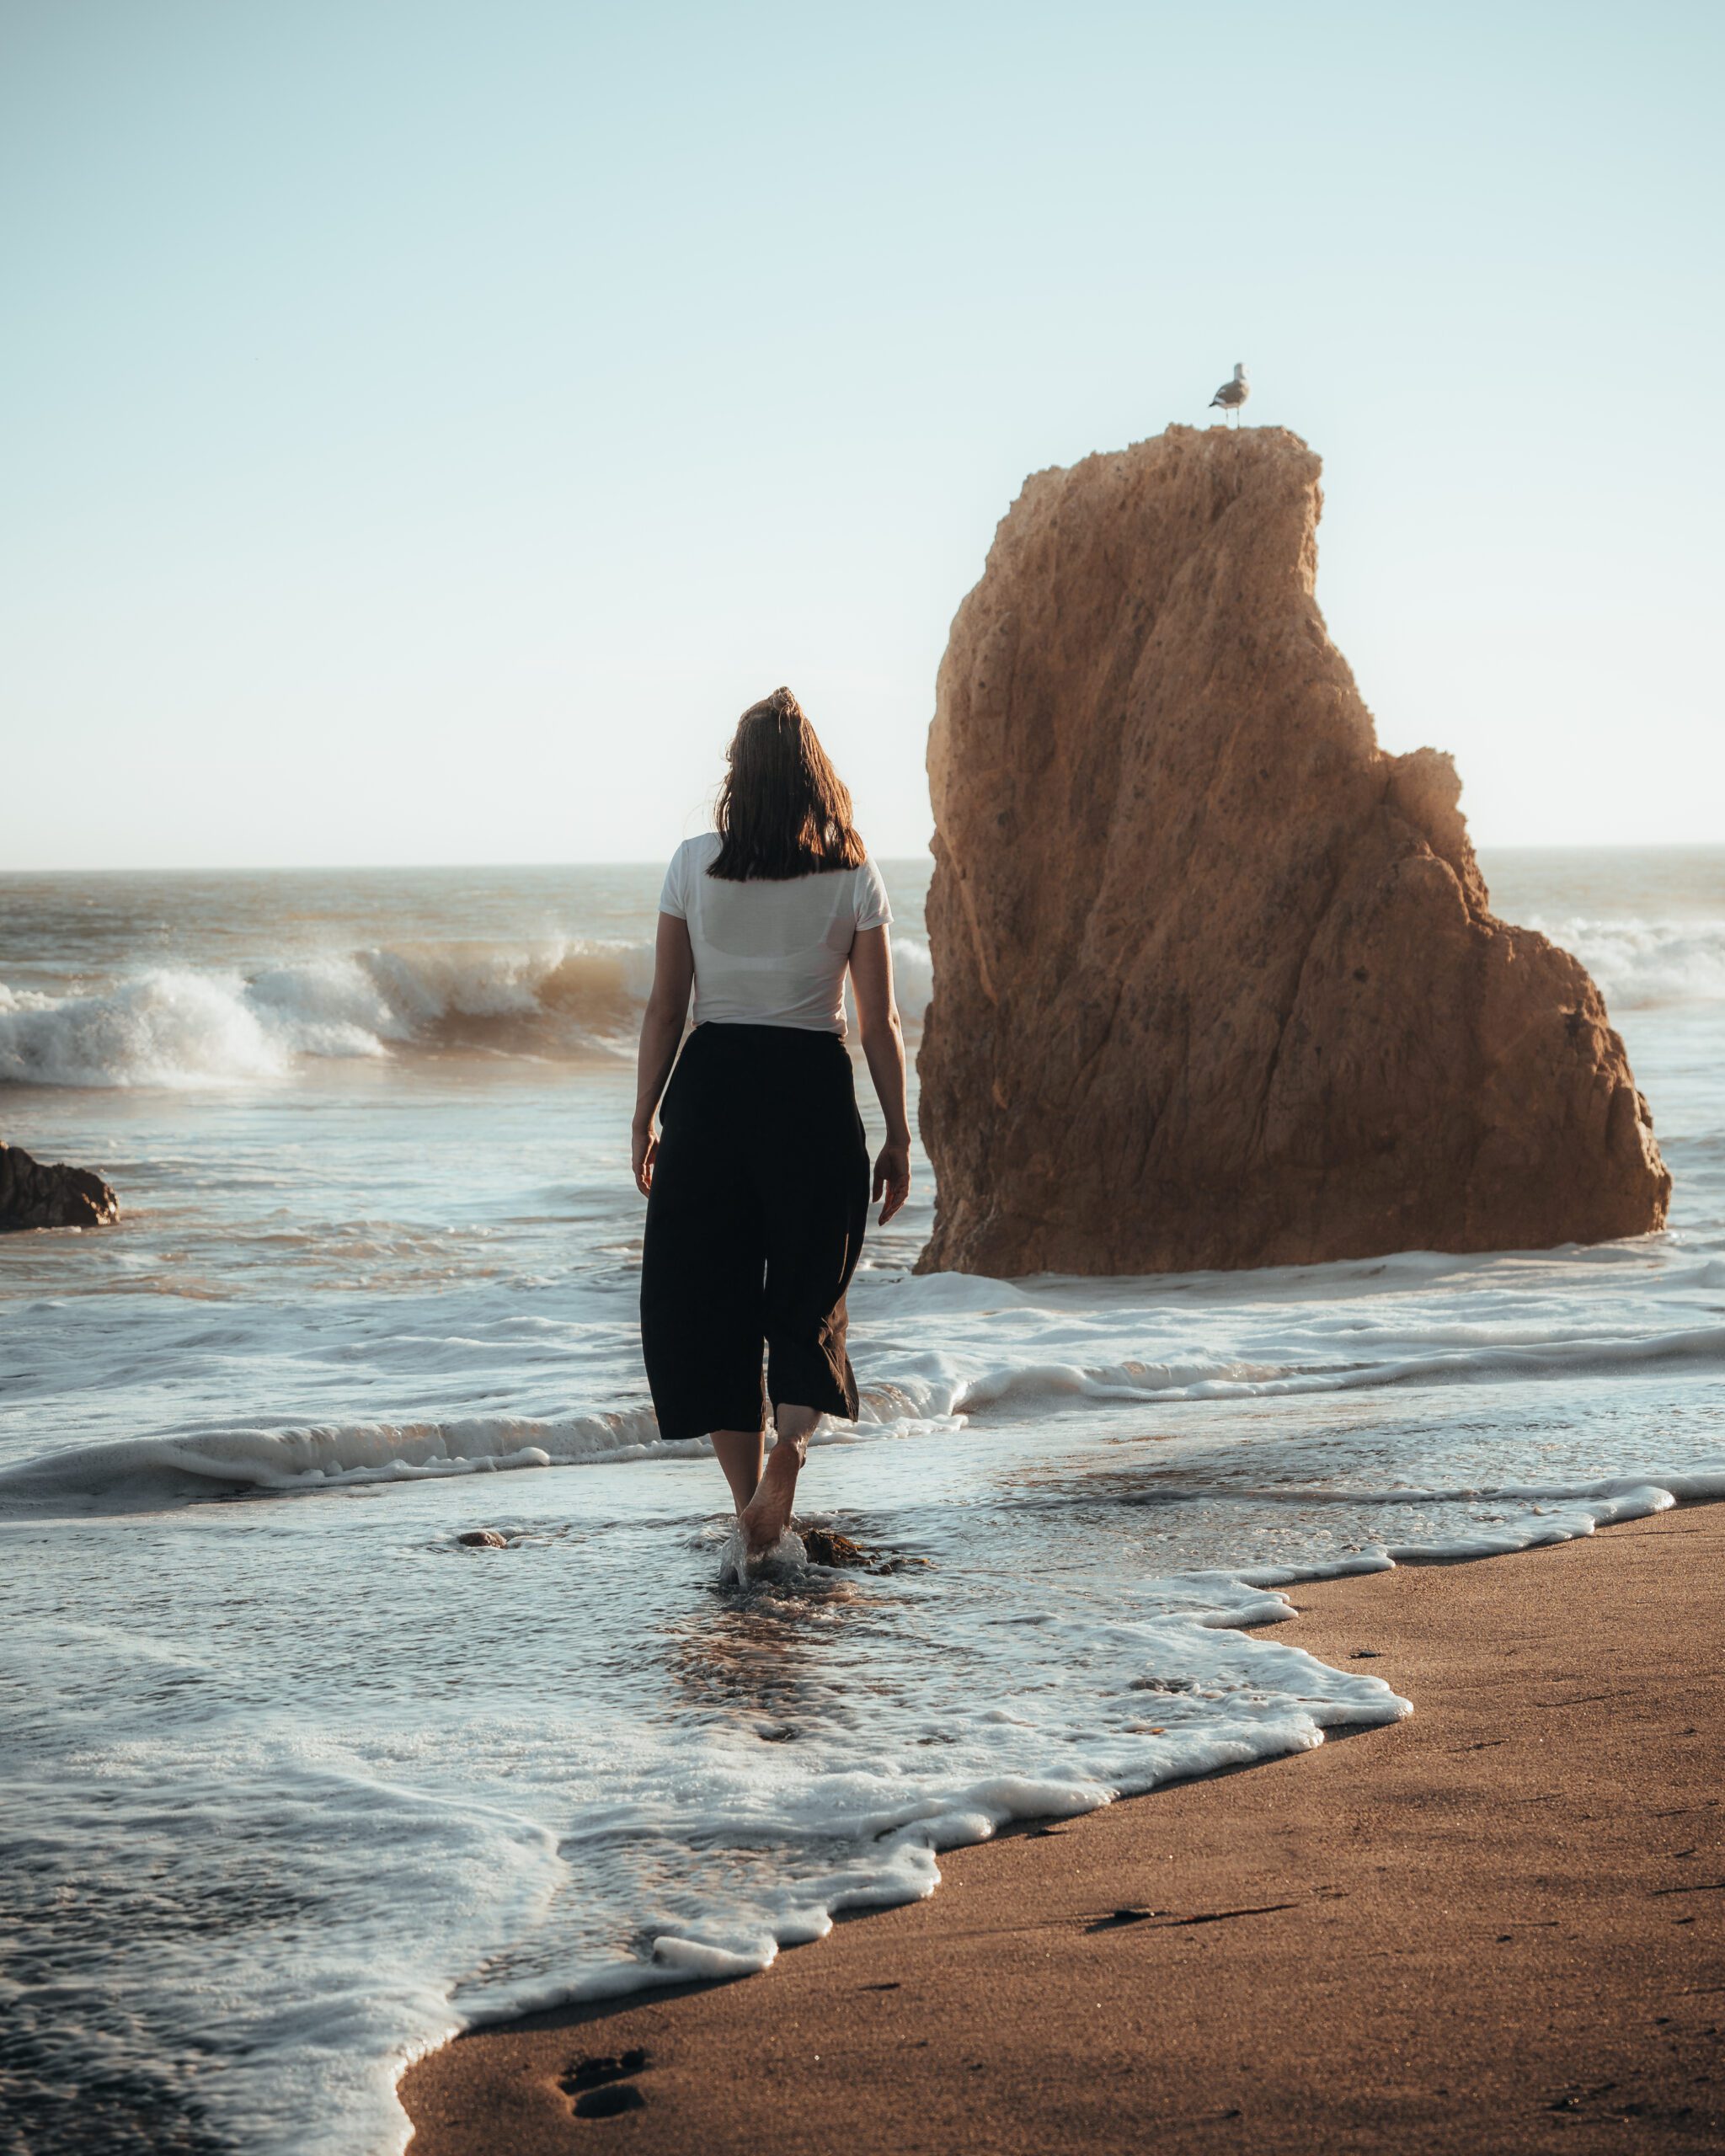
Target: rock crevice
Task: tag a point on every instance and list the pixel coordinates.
(1216, 979)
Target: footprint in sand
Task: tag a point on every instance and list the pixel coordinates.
(601, 2087)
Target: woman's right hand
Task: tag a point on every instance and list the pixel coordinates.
(646, 1152)
(892, 1177)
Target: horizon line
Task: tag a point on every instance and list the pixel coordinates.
(657, 864)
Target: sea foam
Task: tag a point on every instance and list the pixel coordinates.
(180, 1028)
(186, 1027)
(300, 1783)
(177, 1028)
(1640, 964)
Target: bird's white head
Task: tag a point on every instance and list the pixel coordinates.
(1239, 370)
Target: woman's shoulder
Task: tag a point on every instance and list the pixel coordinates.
(694, 855)
(676, 893)
(873, 907)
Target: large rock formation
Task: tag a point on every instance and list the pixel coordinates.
(1215, 979)
(33, 1195)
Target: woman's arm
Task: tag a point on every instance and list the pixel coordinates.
(661, 1036)
(884, 1045)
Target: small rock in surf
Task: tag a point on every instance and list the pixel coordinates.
(825, 1547)
(34, 1195)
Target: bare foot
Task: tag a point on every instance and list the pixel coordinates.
(767, 1513)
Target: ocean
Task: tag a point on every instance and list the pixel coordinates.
(296, 1784)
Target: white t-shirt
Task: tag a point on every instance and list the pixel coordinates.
(767, 953)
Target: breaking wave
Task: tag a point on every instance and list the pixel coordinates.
(146, 1473)
(185, 1026)
(149, 1473)
(178, 1027)
(152, 1474)
(1638, 964)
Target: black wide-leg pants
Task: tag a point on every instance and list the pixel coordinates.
(755, 1225)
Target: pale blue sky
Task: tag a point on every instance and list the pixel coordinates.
(426, 425)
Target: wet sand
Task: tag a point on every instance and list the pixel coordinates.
(1496, 1927)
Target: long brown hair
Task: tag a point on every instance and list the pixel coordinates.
(782, 810)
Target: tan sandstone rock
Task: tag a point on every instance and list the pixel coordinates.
(1216, 982)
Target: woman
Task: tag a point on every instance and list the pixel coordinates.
(757, 1183)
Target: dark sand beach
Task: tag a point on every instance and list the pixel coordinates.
(1497, 1926)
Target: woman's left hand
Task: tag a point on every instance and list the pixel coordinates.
(892, 1177)
(646, 1152)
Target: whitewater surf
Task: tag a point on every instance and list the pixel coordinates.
(299, 1782)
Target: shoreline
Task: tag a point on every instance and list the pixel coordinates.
(1485, 1927)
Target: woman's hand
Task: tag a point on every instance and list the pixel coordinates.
(892, 1177)
(646, 1152)
(661, 1030)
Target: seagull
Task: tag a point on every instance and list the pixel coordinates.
(1233, 394)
